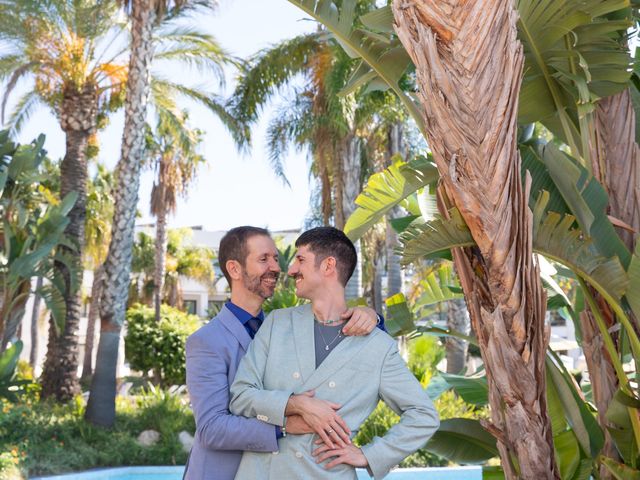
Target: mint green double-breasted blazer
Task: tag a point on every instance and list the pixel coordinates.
(358, 373)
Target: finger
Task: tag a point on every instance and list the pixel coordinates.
(347, 314)
(340, 435)
(335, 406)
(325, 438)
(327, 455)
(343, 425)
(319, 450)
(319, 442)
(309, 393)
(336, 461)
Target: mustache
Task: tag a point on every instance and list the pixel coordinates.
(269, 275)
(296, 276)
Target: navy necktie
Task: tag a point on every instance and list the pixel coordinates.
(254, 325)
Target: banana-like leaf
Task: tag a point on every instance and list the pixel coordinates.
(385, 190)
(620, 427)
(633, 290)
(619, 470)
(436, 287)
(553, 237)
(383, 55)
(493, 472)
(473, 390)
(574, 54)
(578, 415)
(463, 440)
(567, 453)
(586, 199)
(9, 360)
(399, 319)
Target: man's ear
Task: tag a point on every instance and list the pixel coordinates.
(235, 269)
(328, 265)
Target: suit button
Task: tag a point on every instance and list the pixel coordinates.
(263, 418)
(332, 384)
(296, 375)
(298, 454)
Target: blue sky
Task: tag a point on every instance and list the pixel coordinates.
(232, 189)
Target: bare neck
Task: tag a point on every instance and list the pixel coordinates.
(246, 300)
(329, 304)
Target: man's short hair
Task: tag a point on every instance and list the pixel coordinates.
(233, 246)
(330, 242)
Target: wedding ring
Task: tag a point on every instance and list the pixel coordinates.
(330, 431)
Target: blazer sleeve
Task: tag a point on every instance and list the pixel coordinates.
(248, 395)
(419, 420)
(216, 427)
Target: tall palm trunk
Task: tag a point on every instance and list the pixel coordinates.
(615, 160)
(35, 319)
(469, 70)
(394, 271)
(101, 404)
(94, 311)
(78, 115)
(456, 348)
(347, 181)
(161, 252)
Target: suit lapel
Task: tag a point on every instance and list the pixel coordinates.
(302, 320)
(342, 354)
(231, 323)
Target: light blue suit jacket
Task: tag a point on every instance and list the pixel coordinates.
(357, 374)
(213, 355)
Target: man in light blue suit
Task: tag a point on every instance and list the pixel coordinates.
(303, 348)
(249, 260)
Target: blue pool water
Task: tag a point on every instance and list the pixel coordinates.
(175, 473)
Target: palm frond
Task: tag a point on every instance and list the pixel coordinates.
(268, 71)
(23, 110)
(212, 102)
(18, 73)
(194, 48)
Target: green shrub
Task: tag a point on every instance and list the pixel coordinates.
(159, 346)
(44, 438)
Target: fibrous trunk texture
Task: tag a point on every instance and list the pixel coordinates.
(35, 319)
(456, 348)
(160, 253)
(469, 69)
(78, 117)
(101, 404)
(615, 159)
(94, 313)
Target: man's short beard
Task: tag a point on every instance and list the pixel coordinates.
(254, 284)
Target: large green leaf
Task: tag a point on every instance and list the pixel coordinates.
(385, 190)
(399, 319)
(473, 390)
(619, 470)
(381, 54)
(633, 290)
(567, 453)
(578, 415)
(463, 440)
(574, 54)
(9, 360)
(437, 285)
(620, 427)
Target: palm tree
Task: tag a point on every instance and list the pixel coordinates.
(97, 235)
(176, 162)
(202, 51)
(55, 44)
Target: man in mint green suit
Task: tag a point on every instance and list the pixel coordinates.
(300, 352)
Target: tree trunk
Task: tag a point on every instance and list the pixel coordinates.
(348, 189)
(615, 158)
(94, 311)
(13, 317)
(161, 251)
(78, 116)
(395, 278)
(469, 69)
(458, 320)
(101, 404)
(35, 318)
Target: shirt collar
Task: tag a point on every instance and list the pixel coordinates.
(242, 315)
